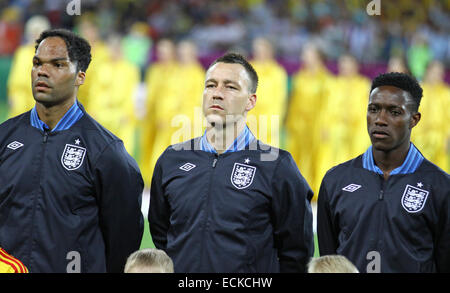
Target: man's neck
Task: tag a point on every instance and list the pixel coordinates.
(51, 115)
(390, 160)
(221, 137)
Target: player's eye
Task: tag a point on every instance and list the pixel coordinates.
(372, 109)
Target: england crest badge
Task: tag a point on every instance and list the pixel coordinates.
(413, 199)
(72, 157)
(242, 175)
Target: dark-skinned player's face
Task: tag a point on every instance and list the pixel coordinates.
(390, 118)
(54, 77)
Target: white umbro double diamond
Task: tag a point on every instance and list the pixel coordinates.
(352, 187)
(187, 167)
(14, 145)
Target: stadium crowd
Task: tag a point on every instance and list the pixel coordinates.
(314, 59)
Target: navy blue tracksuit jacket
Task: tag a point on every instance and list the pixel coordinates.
(233, 212)
(403, 221)
(66, 194)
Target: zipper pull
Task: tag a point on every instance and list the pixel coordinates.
(45, 136)
(214, 163)
(381, 196)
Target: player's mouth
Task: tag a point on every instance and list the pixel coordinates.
(216, 107)
(379, 134)
(41, 86)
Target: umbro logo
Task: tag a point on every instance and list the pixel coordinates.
(187, 167)
(352, 187)
(14, 145)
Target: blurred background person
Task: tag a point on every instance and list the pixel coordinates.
(190, 80)
(113, 91)
(19, 91)
(342, 125)
(309, 96)
(418, 55)
(10, 30)
(89, 30)
(176, 119)
(267, 118)
(161, 105)
(398, 63)
(136, 45)
(433, 133)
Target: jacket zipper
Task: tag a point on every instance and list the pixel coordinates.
(207, 207)
(379, 238)
(381, 196)
(36, 199)
(45, 136)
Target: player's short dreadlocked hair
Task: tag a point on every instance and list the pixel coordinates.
(235, 58)
(78, 48)
(402, 81)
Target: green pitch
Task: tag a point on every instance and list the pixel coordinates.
(147, 239)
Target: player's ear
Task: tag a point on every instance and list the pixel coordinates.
(251, 102)
(415, 118)
(81, 76)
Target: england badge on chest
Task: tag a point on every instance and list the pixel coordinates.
(414, 198)
(72, 157)
(242, 175)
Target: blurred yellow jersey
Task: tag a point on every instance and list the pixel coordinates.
(100, 55)
(342, 125)
(112, 102)
(20, 95)
(186, 121)
(432, 134)
(266, 118)
(309, 96)
(161, 105)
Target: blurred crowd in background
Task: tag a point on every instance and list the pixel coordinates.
(315, 60)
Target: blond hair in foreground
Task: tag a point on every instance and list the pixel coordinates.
(149, 260)
(331, 264)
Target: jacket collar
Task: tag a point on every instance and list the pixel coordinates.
(412, 161)
(70, 118)
(240, 143)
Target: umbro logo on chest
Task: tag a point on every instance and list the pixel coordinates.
(187, 167)
(14, 145)
(351, 187)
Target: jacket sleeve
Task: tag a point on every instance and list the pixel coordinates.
(119, 186)
(326, 232)
(159, 211)
(442, 245)
(292, 217)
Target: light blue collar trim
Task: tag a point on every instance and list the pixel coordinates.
(240, 143)
(70, 118)
(410, 165)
